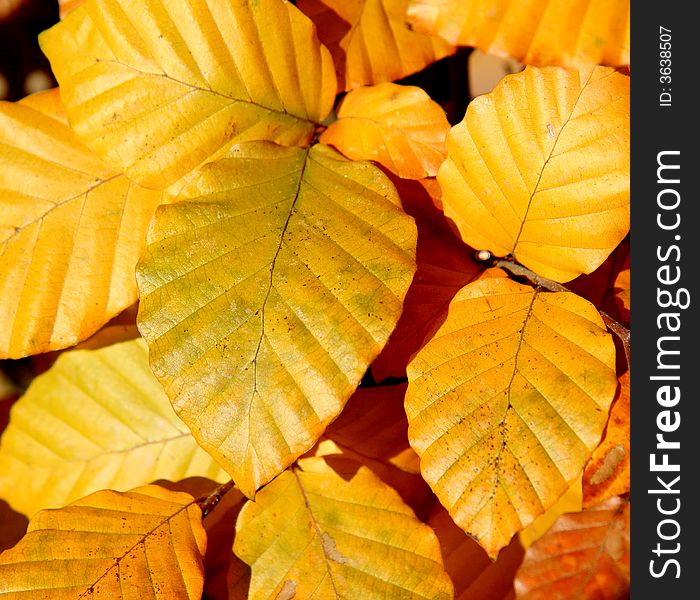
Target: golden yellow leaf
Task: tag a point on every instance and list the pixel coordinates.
(584, 555)
(148, 541)
(158, 87)
(608, 472)
(97, 419)
(398, 126)
(538, 32)
(266, 293)
(539, 168)
(71, 231)
(337, 532)
(370, 40)
(474, 575)
(506, 403)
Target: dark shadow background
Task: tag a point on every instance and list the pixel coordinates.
(23, 68)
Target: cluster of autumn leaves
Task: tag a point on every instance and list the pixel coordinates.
(279, 246)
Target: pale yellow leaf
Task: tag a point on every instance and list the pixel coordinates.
(158, 87)
(147, 542)
(506, 403)
(96, 419)
(539, 168)
(319, 532)
(71, 231)
(266, 293)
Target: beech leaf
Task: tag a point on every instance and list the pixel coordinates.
(370, 40)
(96, 419)
(538, 32)
(398, 126)
(266, 293)
(539, 168)
(112, 545)
(608, 472)
(506, 403)
(584, 555)
(71, 231)
(333, 530)
(158, 87)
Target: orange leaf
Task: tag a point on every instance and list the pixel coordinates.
(608, 472)
(584, 555)
(444, 266)
(608, 286)
(398, 126)
(65, 6)
(374, 424)
(539, 168)
(539, 32)
(370, 40)
(474, 575)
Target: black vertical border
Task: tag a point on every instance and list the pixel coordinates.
(656, 128)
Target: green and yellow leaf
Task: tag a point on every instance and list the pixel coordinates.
(333, 530)
(148, 541)
(266, 293)
(398, 126)
(539, 168)
(97, 419)
(371, 41)
(71, 231)
(538, 32)
(159, 87)
(506, 403)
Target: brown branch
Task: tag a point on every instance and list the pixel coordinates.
(520, 271)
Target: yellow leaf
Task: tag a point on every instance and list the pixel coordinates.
(321, 532)
(266, 293)
(110, 545)
(71, 231)
(159, 87)
(97, 419)
(506, 403)
(398, 126)
(370, 40)
(539, 32)
(539, 168)
(584, 555)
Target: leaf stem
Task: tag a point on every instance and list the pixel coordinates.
(514, 268)
(209, 503)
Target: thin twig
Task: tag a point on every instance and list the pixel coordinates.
(209, 503)
(520, 271)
